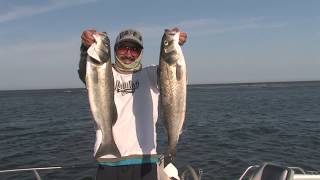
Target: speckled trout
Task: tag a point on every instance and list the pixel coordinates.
(100, 85)
(173, 87)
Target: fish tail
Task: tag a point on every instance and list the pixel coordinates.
(170, 156)
(172, 150)
(105, 149)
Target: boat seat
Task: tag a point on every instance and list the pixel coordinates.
(270, 171)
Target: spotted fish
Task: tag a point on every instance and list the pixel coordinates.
(173, 87)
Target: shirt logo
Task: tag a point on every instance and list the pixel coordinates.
(126, 87)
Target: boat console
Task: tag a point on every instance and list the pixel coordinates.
(270, 171)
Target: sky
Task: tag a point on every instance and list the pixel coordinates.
(229, 41)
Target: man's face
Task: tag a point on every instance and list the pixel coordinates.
(128, 52)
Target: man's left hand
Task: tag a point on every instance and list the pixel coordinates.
(182, 38)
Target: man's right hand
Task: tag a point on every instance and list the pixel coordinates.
(87, 37)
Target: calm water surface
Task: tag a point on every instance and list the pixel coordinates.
(227, 128)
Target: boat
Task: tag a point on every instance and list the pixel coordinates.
(266, 171)
(271, 171)
(189, 173)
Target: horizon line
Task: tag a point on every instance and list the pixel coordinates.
(193, 84)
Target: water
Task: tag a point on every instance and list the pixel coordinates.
(227, 128)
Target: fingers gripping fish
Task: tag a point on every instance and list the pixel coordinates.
(100, 85)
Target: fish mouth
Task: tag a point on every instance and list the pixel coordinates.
(172, 31)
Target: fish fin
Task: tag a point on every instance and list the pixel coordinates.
(170, 157)
(181, 131)
(115, 115)
(179, 72)
(105, 149)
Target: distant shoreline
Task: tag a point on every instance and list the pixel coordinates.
(251, 83)
(199, 84)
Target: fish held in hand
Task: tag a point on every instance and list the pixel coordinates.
(173, 87)
(100, 86)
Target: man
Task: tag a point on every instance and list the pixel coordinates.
(136, 98)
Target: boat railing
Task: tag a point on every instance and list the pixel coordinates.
(36, 169)
(187, 173)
